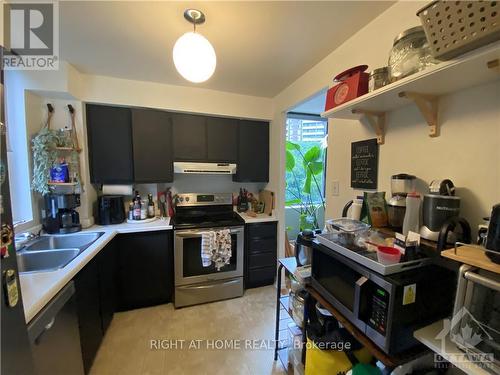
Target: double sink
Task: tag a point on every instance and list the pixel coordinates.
(53, 252)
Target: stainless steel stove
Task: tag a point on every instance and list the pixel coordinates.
(194, 215)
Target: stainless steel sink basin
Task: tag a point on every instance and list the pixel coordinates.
(53, 252)
(42, 261)
(63, 241)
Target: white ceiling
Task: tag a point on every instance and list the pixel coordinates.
(261, 47)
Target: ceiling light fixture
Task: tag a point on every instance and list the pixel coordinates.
(194, 56)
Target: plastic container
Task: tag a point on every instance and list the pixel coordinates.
(388, 255)
(411, 221)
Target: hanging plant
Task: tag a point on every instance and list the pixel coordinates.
(44, 157)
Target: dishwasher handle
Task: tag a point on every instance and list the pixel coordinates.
(46, 328)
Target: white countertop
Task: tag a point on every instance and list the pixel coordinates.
(39, 288)
(261, 218)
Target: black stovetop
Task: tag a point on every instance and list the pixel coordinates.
(201, 218)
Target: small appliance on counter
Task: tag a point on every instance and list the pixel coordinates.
(493, 237)
(401, 185)
(439, 205)
(350, 84)
(111, 209)
(303, 247)
(59, 214)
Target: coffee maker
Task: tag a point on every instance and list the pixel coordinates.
(439, 206)
(59, 215)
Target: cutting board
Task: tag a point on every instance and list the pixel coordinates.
(472, 256)
(267, 196)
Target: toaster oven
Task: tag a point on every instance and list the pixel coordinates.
(475, 326)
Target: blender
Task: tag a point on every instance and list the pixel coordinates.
(401, 185)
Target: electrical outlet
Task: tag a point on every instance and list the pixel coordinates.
(335, 188)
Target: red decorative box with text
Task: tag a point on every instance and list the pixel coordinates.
(351, 84)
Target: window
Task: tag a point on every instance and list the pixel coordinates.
(306, 131)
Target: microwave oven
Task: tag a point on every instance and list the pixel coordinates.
(387, 309)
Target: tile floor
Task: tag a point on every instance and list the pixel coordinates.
(126, 349)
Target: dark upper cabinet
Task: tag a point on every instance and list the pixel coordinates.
(152, 145)
(109, 131)
(253, 152)
(190, 137)
(222, 139)
(145, 276)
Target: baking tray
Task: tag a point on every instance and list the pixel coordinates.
(369, 258)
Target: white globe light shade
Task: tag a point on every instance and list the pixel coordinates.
(194, 57)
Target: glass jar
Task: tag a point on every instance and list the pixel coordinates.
(410, 53)
(298, 300)
(378, 78)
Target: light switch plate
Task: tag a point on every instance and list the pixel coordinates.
(335, 188)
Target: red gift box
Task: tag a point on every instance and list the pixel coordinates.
(352, 83)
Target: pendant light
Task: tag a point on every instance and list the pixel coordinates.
(194, 56)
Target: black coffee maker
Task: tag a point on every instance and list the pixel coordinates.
(59, 215)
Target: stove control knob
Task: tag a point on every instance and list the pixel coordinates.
(187, 199)
(181, 199)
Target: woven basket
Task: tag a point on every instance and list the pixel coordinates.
(455, 27)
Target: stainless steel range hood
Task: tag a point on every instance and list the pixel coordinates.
(204, 168)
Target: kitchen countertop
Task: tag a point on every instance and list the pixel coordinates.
(261, 218)
(39, 288)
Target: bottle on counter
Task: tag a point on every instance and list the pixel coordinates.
(411, 221)
(137, 206)
(131, 211)
(356, 207)
(151, 206)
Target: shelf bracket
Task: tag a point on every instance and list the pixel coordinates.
(377, 122)
(428, 106)
(494, 65)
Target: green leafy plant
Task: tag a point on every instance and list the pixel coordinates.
(44, 156)
(311, 165)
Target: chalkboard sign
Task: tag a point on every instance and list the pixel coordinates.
(364, 164)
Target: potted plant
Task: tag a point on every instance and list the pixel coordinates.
(307, 196)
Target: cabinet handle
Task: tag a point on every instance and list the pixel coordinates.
(47, 327)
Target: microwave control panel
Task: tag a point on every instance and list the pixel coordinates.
(379, 308)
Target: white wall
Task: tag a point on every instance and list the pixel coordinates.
(468, 150)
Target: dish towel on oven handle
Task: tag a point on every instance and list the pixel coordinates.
(222, 254)
(207, 248)
(216, 248)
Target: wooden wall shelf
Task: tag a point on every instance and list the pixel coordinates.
(424, 89)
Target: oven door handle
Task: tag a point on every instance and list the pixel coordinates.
(484, 281)
(198, 233)
(208, 286)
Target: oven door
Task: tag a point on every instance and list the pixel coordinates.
(475, 326)
(187, 257)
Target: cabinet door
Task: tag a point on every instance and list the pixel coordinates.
(146, 273)
(107, 283)
(88, 307)
(152, 140)
(109, 133)
(222, 139)
(190, 137)
(253, 152)
(260, 254)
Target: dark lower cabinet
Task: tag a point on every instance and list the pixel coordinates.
(260, 254)
(89, 312)
(145, 269)
(95, 288)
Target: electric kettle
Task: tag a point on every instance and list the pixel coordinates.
(303, 247)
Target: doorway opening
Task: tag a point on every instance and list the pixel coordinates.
(305, 167)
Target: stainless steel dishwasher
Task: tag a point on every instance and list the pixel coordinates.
(54, 336)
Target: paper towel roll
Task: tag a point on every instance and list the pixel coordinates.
(117, 189)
